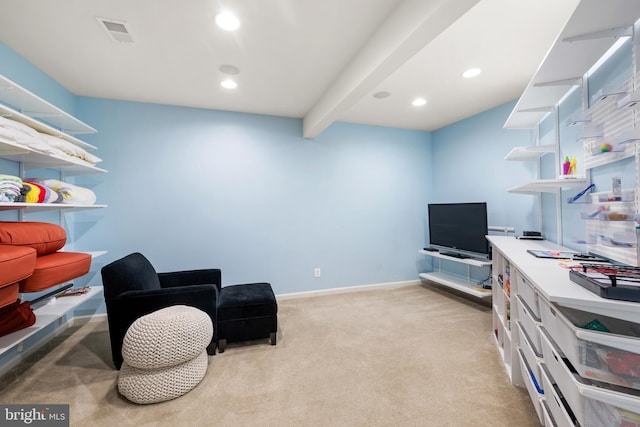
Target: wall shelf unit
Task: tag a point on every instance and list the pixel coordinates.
(580, 45)
(465, 285)
(21, 105)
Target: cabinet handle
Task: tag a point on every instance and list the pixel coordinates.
(557, 399)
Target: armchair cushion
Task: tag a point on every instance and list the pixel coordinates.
(211, 276)
(133, 272)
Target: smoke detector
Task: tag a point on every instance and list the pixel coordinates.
(117, 30)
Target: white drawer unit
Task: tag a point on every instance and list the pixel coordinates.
(555, 403)
(527, 292)
(533, 358)
(612, 357)
(589, 374)
(533, 387)
(546, 415)
(592, 404)
(529, 323)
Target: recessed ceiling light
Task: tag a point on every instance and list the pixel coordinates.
(472, 72)
(227, 21)
(381, 95)
(418, 102)
(228, 84)
(229, 69)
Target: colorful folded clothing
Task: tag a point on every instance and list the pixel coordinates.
(37, 193)
(10, 188)
(71, 194)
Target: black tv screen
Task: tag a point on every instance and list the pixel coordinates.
(459, 227)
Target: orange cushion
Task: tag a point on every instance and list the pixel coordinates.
(9, 294)
(16, 263)
(56, 268)
(44, 237)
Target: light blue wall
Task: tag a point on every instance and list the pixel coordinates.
(193, 188)
(469, 165)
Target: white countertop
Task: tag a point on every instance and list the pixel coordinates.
(552, 281)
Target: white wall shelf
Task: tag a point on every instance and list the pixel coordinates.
(47, 312)
(41, 207)
(530, 153)
(548, 185)
(32, 159)
(34, 107)
(465, 285)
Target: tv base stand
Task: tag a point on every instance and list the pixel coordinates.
(466, 285)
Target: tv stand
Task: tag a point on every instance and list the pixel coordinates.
(455, 255)
(466, 285)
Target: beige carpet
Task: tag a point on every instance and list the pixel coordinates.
(404, 356)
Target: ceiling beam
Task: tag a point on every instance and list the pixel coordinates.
(412, 26)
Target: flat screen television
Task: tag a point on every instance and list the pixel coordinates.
(459, 229)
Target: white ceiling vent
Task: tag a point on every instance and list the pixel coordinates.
(116, 30)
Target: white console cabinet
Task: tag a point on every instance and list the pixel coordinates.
(543, 325)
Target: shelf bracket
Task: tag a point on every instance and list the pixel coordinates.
(615, 33)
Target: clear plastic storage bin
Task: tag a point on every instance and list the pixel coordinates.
(612, 357)
(594, 404)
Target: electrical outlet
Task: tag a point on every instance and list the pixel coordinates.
(316, 272)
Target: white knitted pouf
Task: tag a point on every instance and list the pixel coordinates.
(146, 386)
(165, 354)
(167, 337)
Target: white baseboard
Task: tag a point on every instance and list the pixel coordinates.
(347, 289)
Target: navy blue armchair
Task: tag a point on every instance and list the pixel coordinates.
(132, 289)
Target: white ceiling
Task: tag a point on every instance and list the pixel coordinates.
(317, 60)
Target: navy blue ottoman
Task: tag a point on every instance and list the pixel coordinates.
(246, 312)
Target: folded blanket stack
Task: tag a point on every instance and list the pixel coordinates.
(36, 193)
(68, 193)
(17, 133)
(10, 188)
(43, 190)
